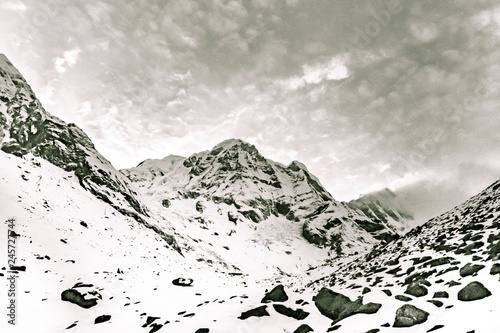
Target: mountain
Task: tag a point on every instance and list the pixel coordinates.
(95, 248)
(27, 129)
(237, 179)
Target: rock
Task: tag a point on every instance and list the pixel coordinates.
(495, 269)
(74, 296)
(473, 291)
(298, 314)
(440, 294)
(257, 312)
(155, 328)
(403, 298)
(435, 328)
(374, 330)
(202, 330)
(337, 306)
(409, 315)
(470, 269)
(200, 207)
(304, 328)
(182, 282)
(84, 224)
(278, 294)
(102, 319)
(435, 302)
(416, 290)
(165, 203)
(233, 217)
(366, 290)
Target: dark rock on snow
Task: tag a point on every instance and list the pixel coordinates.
(409, 315)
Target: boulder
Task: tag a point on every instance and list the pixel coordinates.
(200, 207)
(298, 314)
(416, 290)
(102, 319)
(473, 291)
(470, 269)
(182, 282)
(165, 203)
(278, 294)
(304, 328)
(75, 297)
(409, 315)
(337, 306)
(257, 312)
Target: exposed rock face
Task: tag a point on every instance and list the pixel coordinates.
(25, 127)
(337, 306)
(409, 315)
(473, 292)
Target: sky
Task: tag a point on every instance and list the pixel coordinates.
(367, 94)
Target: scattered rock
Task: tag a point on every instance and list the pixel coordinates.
(495, 269)
(409, 315)
(278, 294)
(440, 294)
(416, 290)
(74, 296)
(337, 306)
(257, 312)
(202, 330)
(473, 291)
(233, 217)
(403, 298)
(435, 328)
(387, 292)
(155, 328)
(298, 314)
(83, 223)
(102, 319)
(470, 269)
(165, 203)
(200, 207)
(436, 303)
(182, 282)
(303, 329)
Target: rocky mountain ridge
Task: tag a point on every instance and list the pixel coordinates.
(235, 175)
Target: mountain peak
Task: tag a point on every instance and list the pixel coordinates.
(6, 65)
(229, 143)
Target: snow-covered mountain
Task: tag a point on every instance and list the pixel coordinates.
(26, 128)
(237, 179)
(223, 241)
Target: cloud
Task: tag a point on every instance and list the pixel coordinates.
(366, 94)
(68, 59)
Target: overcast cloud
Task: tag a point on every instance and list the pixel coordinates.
(367, 94)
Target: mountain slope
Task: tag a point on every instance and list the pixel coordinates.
(26, 128)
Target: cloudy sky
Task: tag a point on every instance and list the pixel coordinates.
(367, 94)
